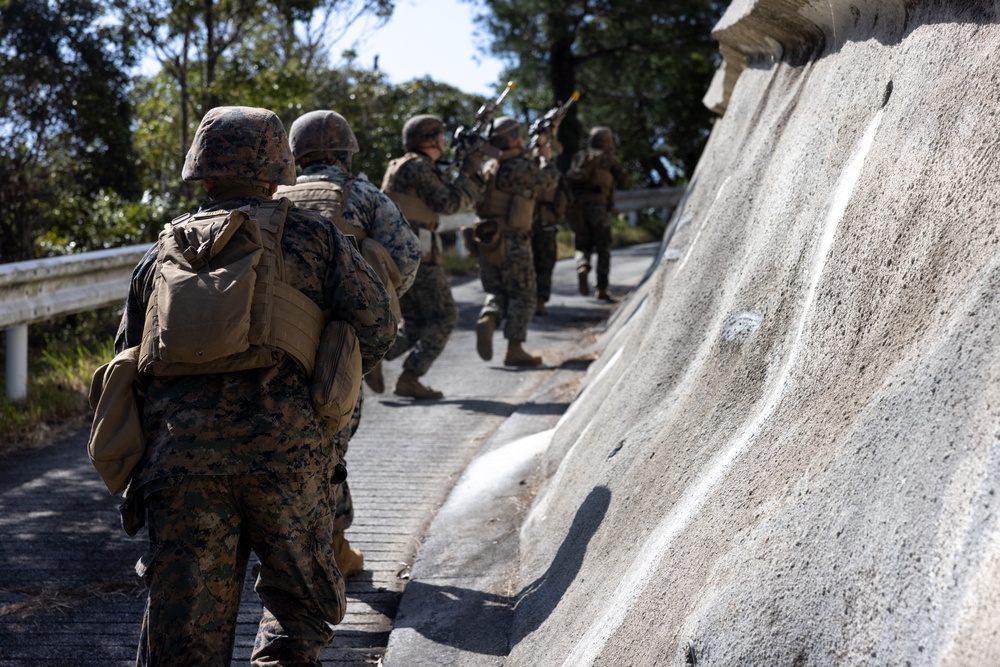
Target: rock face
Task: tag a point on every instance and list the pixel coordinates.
(789, 450)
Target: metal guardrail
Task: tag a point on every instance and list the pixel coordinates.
(41, 289)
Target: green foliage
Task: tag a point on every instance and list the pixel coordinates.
(65, 111)
(641, 66)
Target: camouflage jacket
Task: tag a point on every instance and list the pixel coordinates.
(594, 175)
(420, 177)
(259, 420)
(378, 216)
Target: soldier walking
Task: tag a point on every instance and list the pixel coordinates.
(323, 144)
(595, 172)
(237, 456)
(424, 194)
(507, 266)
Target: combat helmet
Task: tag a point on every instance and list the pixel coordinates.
(420, 129)
(503, 131)
(602, 138)
(321, 132)
(240, 142)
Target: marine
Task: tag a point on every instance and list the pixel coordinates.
(238, 461)
(505, 215)
(323, 143)
(424, 194)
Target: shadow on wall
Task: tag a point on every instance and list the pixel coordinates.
(490, 624)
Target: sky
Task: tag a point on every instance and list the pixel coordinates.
(434, 39)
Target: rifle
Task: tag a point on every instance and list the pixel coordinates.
(467, 139)
(541, 129)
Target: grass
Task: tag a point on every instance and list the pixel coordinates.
(58, 388)
(60, 365)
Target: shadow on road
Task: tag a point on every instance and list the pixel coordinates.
(491, 624)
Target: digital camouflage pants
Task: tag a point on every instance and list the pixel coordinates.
(429, 315)
(511, 288)
(544, 249)
(593, 235)
(201, 532)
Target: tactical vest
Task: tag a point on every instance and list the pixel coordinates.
(551, 205)
(512, 210)
(414, 209)
(220, 301)
(593, 181)
(329, 199)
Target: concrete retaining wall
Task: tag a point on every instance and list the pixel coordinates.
(789, 450)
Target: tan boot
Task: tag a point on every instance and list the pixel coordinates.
(517, 356)
(581, 279)
(408, 384)
(375, 380)
(485, 327)
(603, 295)
(350, 561)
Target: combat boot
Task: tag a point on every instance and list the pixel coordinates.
(517, 356)
(375, 380)
(581, 278)
(350, 561)
(409, 385)
(603, 295)
(485, 327)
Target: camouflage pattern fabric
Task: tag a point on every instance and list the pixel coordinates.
(378, 215)
(192, 424)
(428, 308)
(512, 288)
(380, 218)
(201, 532)
(550, 207)
(421, 178)
(240, 142)
(590, 220)
(429, 316)
(239, 461)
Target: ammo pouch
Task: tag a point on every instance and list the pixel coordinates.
(490, 242)
(116, 444)
(431, 250)
(521, 214)
(336, 380)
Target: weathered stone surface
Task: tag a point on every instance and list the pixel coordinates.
(796, 419)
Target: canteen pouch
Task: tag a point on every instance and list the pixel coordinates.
(489, 239)
(336, 380)
(116, 444)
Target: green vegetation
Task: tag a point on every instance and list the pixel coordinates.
(91, 148)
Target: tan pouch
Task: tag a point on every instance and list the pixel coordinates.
(116, 444)
(381, 261)
(489, 239)
(522, 213)
(336, 380)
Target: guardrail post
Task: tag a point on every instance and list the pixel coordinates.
(17, 362)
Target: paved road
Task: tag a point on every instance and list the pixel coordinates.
(68, 593)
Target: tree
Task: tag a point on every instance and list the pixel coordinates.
(66, 115)
(641, 66)
(248, 52)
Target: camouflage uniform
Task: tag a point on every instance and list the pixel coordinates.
(238, 461)
(511, 287)
(550, 207)
(593, 176)
(381, 220)
(429, 311)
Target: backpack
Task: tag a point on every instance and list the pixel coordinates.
(220, 302)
